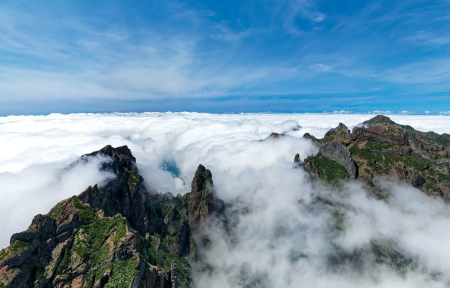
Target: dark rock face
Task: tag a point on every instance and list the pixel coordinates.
(311, 137)
(200, 198)
(117, 235)
(336, 151)
(381, 147)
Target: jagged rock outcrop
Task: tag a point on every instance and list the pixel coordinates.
(202, 201)
(311, 137)
(336, 151)
(381, 147)
(340, 133)
(273, 135)
(116, 235)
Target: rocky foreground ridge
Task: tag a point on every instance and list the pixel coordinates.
(117, 235)
(381, 147)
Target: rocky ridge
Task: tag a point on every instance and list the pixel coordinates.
(381, 147)
(115, 235)
(378, 149)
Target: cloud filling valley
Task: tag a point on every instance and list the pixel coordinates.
(282, 236)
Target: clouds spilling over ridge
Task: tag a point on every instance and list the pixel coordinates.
(284, 239)
(289, 239)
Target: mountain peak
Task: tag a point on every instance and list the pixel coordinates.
(117, 233)
(118, 152)
(380, 119)
(384, 148)
(202, 178)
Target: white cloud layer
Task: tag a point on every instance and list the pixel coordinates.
(285, 240)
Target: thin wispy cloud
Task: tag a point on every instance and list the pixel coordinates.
(156, 50)
(424, 72)
(320, 67)
(427, 38)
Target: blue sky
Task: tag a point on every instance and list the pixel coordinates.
(227, 56)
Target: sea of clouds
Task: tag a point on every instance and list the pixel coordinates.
(284, 238)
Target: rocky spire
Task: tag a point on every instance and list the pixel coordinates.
(201, 199)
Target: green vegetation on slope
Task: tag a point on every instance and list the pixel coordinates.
(378, 145)
(434, 137)
(165, 245)
(84, 211)
(15, 248)
(56, 211)
(328, 170)
(90, 240)
(122, 273)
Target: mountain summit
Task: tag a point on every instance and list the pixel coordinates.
(381, 147)
(116, 235)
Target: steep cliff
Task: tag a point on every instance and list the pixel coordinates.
(115, 235)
